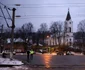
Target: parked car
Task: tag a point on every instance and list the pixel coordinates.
(42, 51)
(60, 53)
(69, 53)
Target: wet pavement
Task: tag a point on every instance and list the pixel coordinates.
(50, 62)
(54, 60)
(25, 67)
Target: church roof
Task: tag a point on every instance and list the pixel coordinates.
(68, 17)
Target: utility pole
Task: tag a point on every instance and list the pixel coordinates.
(2, 40)
(12, 33)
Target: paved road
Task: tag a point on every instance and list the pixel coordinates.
(54, 60)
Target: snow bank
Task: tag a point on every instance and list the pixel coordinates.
(7, 61)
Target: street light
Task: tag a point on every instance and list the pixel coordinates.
(47, 36)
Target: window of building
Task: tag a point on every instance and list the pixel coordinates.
(66, 22)
(69, 29)
(70, 40)
(66, 30)
(67, 40)
(70, 22)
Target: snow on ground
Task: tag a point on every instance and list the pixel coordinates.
(7, 61)
(77, 53)
(16, 68)
(7, 68)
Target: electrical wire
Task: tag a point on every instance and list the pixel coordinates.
(8, 13)
(49, 5)
(47, 16)
(5, 5)
(7, 8)
(4, 17)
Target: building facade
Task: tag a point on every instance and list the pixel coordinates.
(67, 37)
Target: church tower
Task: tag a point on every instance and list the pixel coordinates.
(68, 30)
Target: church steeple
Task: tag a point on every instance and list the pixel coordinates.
(68, 30)
(68, 17)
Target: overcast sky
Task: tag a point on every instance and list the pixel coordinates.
(46, 11)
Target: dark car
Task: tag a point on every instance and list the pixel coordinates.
(60, 53)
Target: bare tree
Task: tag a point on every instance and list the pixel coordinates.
(43, 30)
(56, 30)
(81, 29)
(7, 33)
(17, 33)
(81, 26)
(26, 31)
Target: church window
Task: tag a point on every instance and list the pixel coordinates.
(69, 29)
(70, 22)
(67, 40)
(66, 29)
(70, 40)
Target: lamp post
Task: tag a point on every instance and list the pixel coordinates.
(47, 39)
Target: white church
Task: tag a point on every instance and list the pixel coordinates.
(67, 37)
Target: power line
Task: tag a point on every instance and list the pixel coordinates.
(8, 13)
(47, 4)
(39, 16)
(47, 17)
(51, 15)
(6, 10)
(79, 14)
(5, 6)
(4, 16)
(50, 7)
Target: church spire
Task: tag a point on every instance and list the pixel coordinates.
(68, 17)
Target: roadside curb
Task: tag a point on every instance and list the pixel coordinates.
(57, 66)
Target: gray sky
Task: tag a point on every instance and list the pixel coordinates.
(46, 11)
